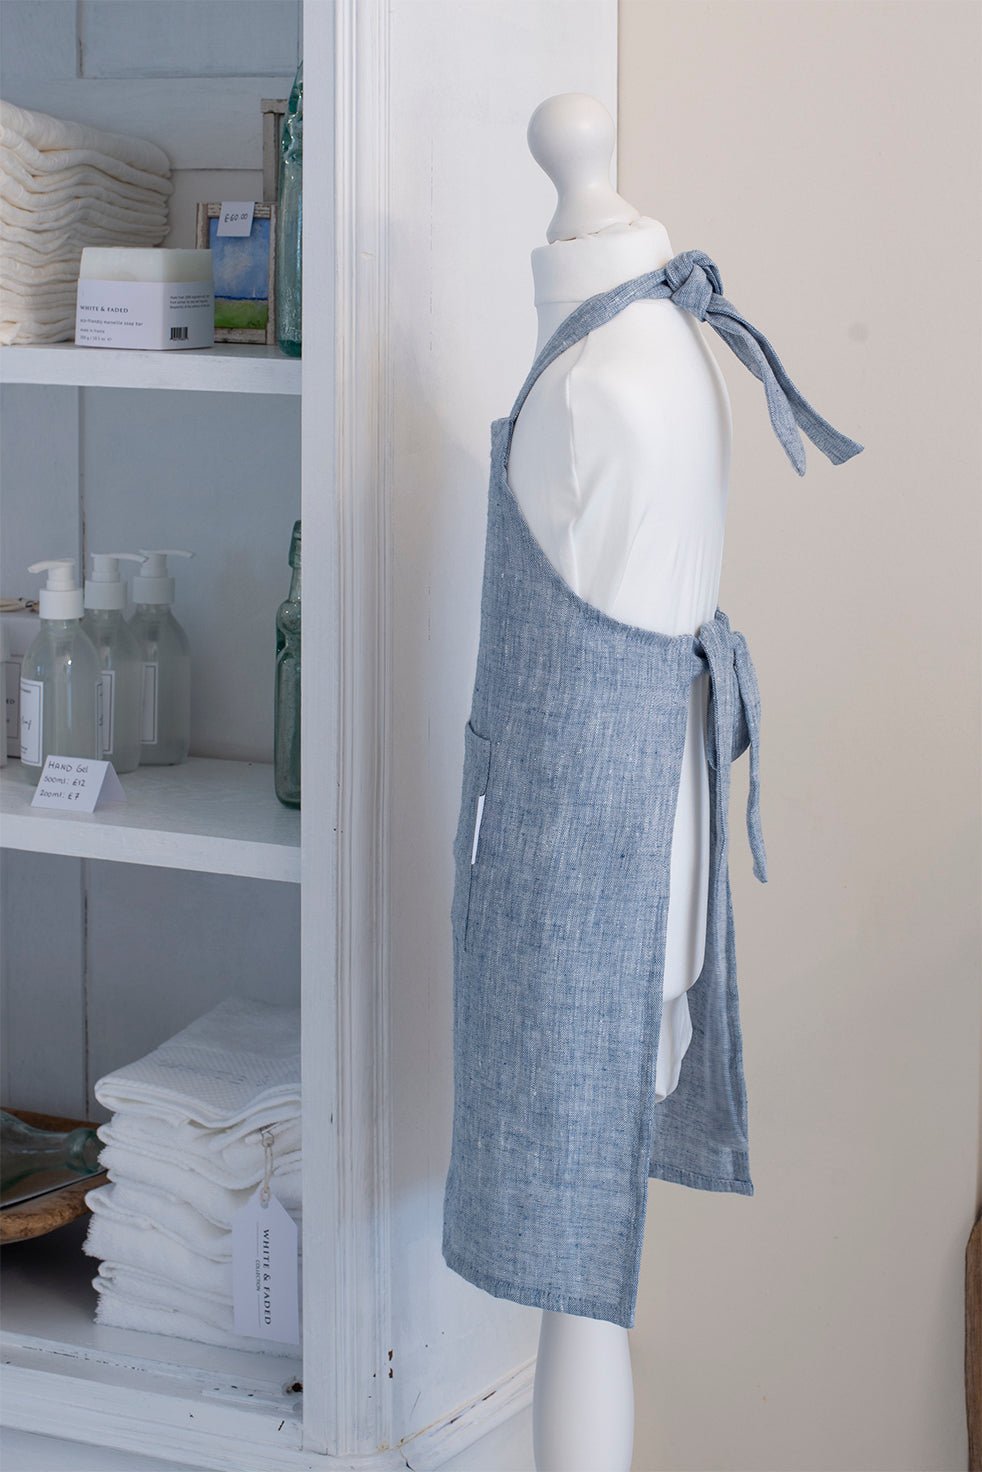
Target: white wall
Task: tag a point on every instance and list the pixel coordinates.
(827, 157)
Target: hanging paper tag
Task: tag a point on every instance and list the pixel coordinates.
(77, 785)
(265, 1293)
(236, 218)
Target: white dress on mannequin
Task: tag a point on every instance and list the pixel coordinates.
(620, 462)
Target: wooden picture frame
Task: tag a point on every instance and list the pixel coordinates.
(263, 243)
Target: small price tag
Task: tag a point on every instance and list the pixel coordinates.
(236, 218)
(265, 1270)
(76, 784)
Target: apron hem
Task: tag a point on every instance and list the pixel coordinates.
(552, 1299)
(701, 1182)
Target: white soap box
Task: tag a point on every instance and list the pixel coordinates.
(133, 297)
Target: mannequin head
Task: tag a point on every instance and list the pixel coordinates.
(571, 137)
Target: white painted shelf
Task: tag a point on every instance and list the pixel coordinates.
(216, 817)
(49, 1320)
(229, 368)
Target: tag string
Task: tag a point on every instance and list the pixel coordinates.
(266, 1135)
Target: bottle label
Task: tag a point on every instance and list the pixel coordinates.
(31, 721)
(106, 700)
(148, 733)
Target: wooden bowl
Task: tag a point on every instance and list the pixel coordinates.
(56, 1208)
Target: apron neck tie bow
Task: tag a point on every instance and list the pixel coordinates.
(692, 281)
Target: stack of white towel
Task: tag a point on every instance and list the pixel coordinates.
(184, 1150)
(64, 186)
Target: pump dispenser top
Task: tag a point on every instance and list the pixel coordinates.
(105, 588)
(61, 598)
(152, 583)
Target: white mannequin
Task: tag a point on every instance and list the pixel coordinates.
(620, 462)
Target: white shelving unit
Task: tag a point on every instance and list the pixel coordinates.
(224, 368)
(214, 817)
(413, 141)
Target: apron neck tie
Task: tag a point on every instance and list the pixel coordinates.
(695, 285)
(733, 725)
(692, 281)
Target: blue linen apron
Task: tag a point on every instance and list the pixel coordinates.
(572, 763)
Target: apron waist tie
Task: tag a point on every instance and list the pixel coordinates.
(733, 725)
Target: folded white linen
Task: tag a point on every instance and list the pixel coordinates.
(151, 1288)
(50, 244)
(217, 1203)
(47, 134)
(28, 330)
(40, 313)
(220, 1169)
(21, 187)
(151, 1211)
(85, 158)
(152, 1252)
(229, 1069)
(15, 272)
(84, 212)
(120, 1311)
(144, 1208)
(37, 292)
(235, 1160)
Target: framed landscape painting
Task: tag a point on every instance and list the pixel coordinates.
(244, 272)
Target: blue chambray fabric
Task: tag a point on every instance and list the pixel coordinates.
(572, 761)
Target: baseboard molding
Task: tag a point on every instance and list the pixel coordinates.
(431, 1448)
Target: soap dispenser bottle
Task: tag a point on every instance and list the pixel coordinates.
(165, 735)
(120, 706)
(60, 677)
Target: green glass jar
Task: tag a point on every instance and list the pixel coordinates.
(26, 1150)
(286, 732)
(289, 227)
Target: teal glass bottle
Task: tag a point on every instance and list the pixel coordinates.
(289, 227)
(286, 733)
(25, 1150)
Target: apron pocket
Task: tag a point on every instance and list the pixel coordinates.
(467, 844)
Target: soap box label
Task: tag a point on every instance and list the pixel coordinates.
(145, 314)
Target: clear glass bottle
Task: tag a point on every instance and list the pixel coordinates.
(286, 729)
(165, 735)
(25, 1150)
(289, 226)
(119, 658)
(60, 678)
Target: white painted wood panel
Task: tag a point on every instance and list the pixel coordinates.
(205, 816)
(38, 41)
(467, 204)
(42, 967)
(185, 38)
(39, 503)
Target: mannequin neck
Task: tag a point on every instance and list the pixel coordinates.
(569, 272)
